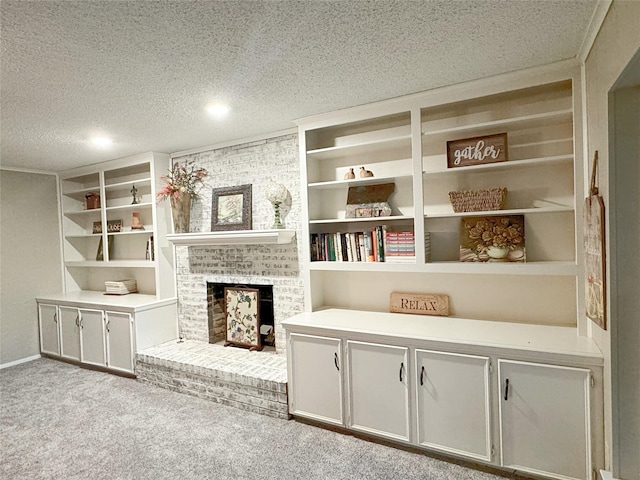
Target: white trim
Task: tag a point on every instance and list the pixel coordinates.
(498, 83)
(27, 170)
(597, 19)
(18, 362)
(231, 143)
(604, 475)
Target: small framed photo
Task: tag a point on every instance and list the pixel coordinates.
(231, 208)
(114, 226)
(97, 227)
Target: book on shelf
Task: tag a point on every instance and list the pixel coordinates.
(375, 245)
(121, 287)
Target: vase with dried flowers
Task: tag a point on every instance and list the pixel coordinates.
(182, 184)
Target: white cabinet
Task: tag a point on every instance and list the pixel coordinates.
(49, 329)
(105, 331)
(453, 403)
(92, 339)
(440, 383)
(315, 376)
(120, 341)
(544, 419)
(69, 333)
(378, 379)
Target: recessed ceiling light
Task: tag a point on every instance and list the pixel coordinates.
(217, 110)
(101, 141)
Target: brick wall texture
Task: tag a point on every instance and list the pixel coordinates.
(256, 163)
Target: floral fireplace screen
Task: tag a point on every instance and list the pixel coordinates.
(242, 307)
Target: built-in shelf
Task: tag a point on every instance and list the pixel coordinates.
(363, 219)
(475, 268)
(512, 211)
(359, 181)
(526, 163)
(111, 264)
(238, 237)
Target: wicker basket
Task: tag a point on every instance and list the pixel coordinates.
(478, 200)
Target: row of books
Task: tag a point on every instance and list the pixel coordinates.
(375, 245)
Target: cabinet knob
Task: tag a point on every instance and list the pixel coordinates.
(335, 361)
(401, 370)
(422, 375)
(506, 390)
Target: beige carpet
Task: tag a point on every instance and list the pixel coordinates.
(65, 422)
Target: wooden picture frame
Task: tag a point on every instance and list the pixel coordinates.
(595, 253)
(97, 227)
(477, 150)
(242, 311)
(231, 208)
(114, 226)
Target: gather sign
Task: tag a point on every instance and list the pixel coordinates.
(477, 150)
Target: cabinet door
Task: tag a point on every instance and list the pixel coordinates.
(316, 377)
(120, 341)
(453, 403)
(69, 333)
(49, 332)
(544, 419)
(378, 389)
(92, 337)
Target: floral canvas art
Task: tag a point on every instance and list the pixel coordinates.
(243, 319)
(492, 239)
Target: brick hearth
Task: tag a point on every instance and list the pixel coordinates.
(252, 381)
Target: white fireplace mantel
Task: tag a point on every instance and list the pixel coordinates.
(236, 237)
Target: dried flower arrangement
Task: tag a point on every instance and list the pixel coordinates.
(182, 179)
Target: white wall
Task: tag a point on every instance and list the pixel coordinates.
(614, 47)
(29, 258)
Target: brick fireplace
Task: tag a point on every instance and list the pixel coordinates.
(254, 381)
(259, 164)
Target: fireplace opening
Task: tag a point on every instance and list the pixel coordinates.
(217, 319)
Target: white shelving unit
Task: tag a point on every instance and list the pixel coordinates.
(516, 335)
(124, 253)
(403, 141)
(82, 324)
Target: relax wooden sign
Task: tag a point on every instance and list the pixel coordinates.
(477, 150)
(419, 303)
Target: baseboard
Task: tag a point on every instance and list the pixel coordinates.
(604, 475)
(18, 362)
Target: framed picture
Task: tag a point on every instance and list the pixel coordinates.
(231, 209)
(477, 150)
(242, 309)
(114, 226)
(97, 227)
(492, 239)
(595, 253)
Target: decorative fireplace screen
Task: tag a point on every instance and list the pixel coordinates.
(242, 308)
(243, 303)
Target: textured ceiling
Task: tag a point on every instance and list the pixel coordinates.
(142, 71)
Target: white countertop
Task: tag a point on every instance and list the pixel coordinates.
(563, 341)
(93, 299)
